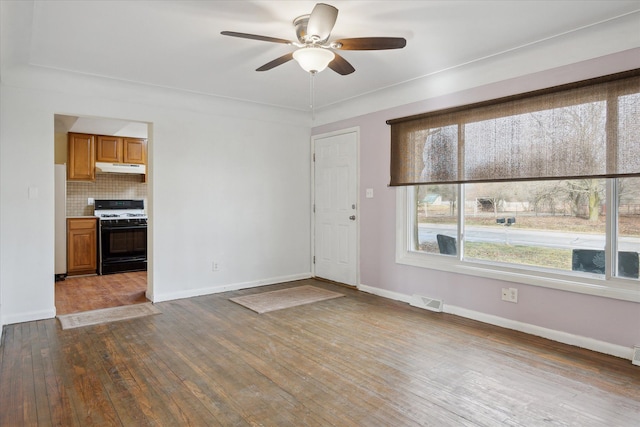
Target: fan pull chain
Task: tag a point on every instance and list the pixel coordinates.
(312, 93)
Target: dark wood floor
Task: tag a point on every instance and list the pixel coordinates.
(355, 361)
(76, 294)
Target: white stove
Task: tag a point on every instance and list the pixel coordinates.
(119, 209)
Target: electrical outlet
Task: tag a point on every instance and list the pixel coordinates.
(91, 201)
(215, 266)
(510, 294)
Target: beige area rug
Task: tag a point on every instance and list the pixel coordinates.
(106, 315)
(284, 298)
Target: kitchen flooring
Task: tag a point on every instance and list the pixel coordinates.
(76, 294)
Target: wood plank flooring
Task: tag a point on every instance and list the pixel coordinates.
(76, 294)
(360, 360)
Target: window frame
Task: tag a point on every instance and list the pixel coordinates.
(585, 283)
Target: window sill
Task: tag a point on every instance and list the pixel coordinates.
(613, 288)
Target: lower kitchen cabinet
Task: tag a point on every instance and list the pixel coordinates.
(82, 246)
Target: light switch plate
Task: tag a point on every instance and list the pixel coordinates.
(33, 193)
(369, 193)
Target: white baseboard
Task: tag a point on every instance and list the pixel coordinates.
(225, 288)
(385, 293)
(29, 316)
(552, 334)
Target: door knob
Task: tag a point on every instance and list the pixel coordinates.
(352, 217)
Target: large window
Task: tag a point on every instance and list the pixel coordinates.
(546, 224)
(541, 188)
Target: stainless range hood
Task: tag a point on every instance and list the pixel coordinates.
(103, 167)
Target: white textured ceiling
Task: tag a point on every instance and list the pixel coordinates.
(177, 44)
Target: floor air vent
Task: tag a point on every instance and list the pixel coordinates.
(636, 355)
(428, 303)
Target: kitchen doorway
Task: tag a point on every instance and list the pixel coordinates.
(79, 285)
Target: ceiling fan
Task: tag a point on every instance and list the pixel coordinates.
(315, 52)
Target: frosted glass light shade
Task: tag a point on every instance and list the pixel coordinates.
(313, 59)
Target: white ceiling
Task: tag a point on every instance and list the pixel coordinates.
(177, 44)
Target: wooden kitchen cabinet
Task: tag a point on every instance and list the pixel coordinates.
(85, 150)
(81, 162)
(82, 246)
(109, 149)
(114, 149)
(135, 150)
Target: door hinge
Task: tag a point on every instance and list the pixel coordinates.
(314, 259)
(314, 157)
(314, 208)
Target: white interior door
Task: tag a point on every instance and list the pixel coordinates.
(336, 207)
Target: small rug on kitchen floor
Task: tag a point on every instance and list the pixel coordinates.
(106, 315)
(284, 298)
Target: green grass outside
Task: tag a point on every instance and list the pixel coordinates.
(527, 255)
(514, 254)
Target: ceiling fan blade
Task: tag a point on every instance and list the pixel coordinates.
(321, 21)
(341, 65)
(255, 37)
(278, 61)
(370, 43)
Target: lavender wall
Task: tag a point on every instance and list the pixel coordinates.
(603, 319)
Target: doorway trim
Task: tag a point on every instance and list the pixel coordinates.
(355, 130)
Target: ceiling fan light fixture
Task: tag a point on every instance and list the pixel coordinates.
(313, 59)
(314, 52)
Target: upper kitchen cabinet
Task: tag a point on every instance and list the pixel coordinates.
(135, 150)
(88, 153)
(109, 149)
(81, 164)
(115, 149)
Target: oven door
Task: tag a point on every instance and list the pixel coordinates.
(122, 247)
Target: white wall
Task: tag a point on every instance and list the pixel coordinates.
(229, 182)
